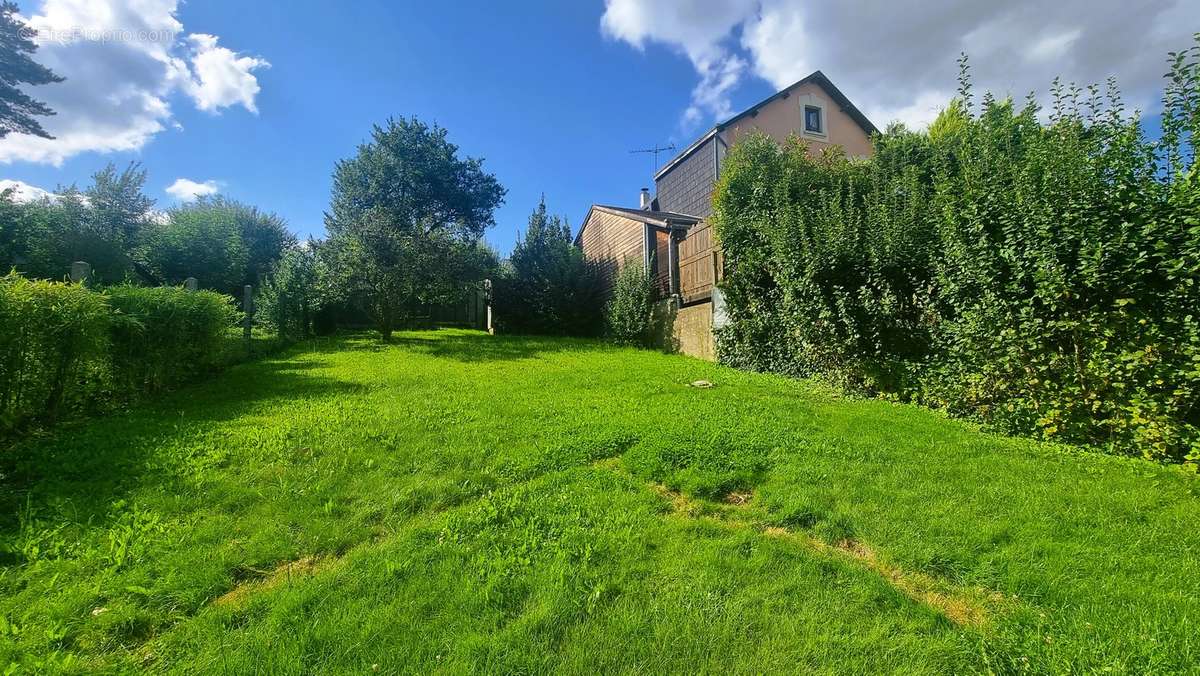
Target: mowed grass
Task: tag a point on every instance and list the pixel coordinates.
(459, 502)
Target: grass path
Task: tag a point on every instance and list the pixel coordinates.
(467, 503)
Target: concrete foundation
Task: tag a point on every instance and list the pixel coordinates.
(685, 330)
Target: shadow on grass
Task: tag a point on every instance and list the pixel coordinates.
(89, 465)
(481, 347)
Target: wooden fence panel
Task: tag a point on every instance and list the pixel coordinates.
(696, 252)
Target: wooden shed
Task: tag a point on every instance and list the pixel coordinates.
(612, 237)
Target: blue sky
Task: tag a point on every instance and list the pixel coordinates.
(552, 95)
(550, 104)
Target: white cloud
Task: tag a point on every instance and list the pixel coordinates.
(897, 60)
(123, 61)
(697, 28)
(23, 192)
(187, 190)
(222, 78)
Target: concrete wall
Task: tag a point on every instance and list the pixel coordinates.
(685, 330)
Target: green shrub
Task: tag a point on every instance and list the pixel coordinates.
(1041, 277)
(202, 240)
(290, 301)
(165, 335)
(628, 311)
(53, 340)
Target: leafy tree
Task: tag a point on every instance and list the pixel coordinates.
(16, 238)
(201, 240)
(406, 220)
(548, 287)
(101, 225)
(117, 211)
(223, 243)
(291, 296)
(265, 235)
(118, 208)
(18, 109)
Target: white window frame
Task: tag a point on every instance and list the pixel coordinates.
(807, 101)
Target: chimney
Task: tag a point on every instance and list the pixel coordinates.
(645, 199)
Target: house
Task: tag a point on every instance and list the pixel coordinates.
(669, 232)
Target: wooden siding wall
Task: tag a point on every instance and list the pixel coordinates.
(611, 242)
(662, 262)
(687, 188)
(696, 252)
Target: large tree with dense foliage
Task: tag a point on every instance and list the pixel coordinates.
(406, 221)
(547, 286)
(18, 110)
(264, 234)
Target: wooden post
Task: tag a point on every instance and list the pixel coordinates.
(648, 247)
(487, 299)
(720, 318)
(248, 313)
(673, 261)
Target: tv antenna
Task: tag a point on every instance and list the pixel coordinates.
(655, 151)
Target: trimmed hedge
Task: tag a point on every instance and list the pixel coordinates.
(53, 343)
(163, 336)
(1043, 277)
(66, 350)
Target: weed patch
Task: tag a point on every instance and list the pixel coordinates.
(707, 467)
(283, 574)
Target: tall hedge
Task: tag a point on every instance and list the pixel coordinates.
(162, 336)
(67, 350)
(53, 341)
(1036, 270)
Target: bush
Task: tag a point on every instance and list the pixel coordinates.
(290, 301)
(548, 287)
(201, 240)
(67, 350)
(53, 340)
(166, 335)
(1039, 277)
(628, 312)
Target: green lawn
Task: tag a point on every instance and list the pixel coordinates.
(467, 503)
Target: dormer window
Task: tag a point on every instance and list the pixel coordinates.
(813, 123)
